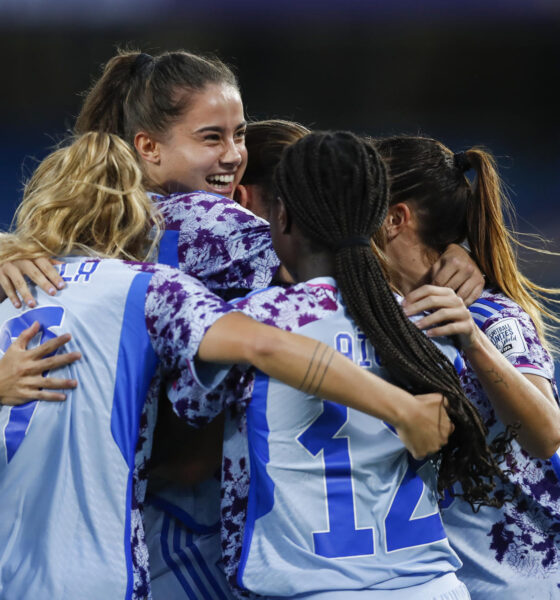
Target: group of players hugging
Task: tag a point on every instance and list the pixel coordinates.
(296, 364)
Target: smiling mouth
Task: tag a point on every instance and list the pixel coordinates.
(221, 181)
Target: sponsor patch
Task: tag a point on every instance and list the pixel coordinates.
(506, 336)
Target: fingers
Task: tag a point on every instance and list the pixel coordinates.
(471, 290)
(48, 277)
(458, 317)
(437, 300)
(447, 420)
(38, 383)
(55, 362)
(12, 272)
(27, 335)
(36, 395)
(49, 346)
(424, 291)
(449, 271)
(8, 288)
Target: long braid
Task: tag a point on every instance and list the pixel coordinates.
(335, 188)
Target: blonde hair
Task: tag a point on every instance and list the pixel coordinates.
(86, 198)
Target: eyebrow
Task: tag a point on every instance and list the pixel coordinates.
(220, 129)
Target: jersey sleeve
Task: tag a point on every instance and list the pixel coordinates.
(513, 333)
(179, 310)
(198, 406)
(217, 241)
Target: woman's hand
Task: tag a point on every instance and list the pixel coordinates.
(21, 378)
(426, 427)
(455, 269)
(448, 314)
(40, 271)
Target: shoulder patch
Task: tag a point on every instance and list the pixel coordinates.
(507, 337)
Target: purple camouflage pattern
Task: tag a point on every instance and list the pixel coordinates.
(179, 310)
(287, 309)
(524, 535)
(220, 242)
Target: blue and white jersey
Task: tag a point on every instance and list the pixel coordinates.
(72, 474)
(183, 538)
(512, 553)
(318, 497)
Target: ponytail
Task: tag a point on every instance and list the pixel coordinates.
(493, 245)
(431, 179)
(335, 189)
(103, 107)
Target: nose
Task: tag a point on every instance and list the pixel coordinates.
(232, 155)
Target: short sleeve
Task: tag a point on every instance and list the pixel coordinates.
(217, 241)
(514, 334)
(179, 311)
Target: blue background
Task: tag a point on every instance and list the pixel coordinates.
(476, 72)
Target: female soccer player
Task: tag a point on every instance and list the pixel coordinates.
(183, 115)
(333, 508)
(510, 552)
(75, 471)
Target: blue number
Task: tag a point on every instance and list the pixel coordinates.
(343, 539)
(402, 530)
(20, 416)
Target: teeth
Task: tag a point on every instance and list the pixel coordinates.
(224, 179)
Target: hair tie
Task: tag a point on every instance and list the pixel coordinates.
(352, 241)
(140, 62)
(462, 161)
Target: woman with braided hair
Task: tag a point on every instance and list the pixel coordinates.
(319, 502)
(512, 552)
(75, 471)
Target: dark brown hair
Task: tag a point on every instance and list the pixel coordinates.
(335, 189)
(450, 209)
(139, 92)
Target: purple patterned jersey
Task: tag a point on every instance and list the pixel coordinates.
(272, 562)
(178, 312)
(217, 241)
(513, 552)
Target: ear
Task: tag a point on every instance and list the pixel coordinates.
(397, 220)
(251, 197)
(147, 147)
(242, 196)
(284, 221)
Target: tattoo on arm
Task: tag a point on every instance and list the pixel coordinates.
(325, 368)
(317, 369)
(496, 377)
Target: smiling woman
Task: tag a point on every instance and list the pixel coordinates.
(176, 109)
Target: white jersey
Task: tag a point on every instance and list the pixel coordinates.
(511, 553)
(72, 473)
(318, 498)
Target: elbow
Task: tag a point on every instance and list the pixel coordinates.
(262, 346)
(544, 447)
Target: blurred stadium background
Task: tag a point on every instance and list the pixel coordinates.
(476, 72)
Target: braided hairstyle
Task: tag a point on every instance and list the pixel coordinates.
(335, 189)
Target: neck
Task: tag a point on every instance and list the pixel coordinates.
(317, 264)
(409, 265)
